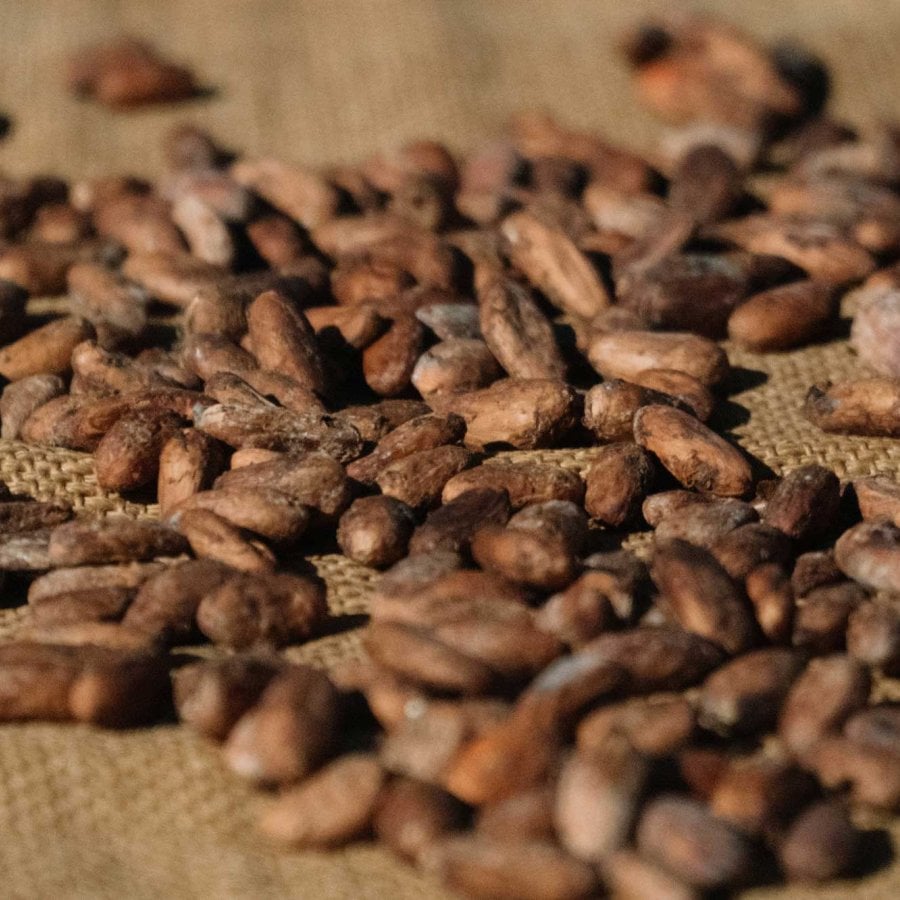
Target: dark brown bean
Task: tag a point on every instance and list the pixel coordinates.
(701, 595)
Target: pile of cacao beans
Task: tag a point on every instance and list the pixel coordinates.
(292, 362)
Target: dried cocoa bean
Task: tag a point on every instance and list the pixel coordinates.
(46, 350)
(685, 838)
(687, 291)
(685, 388)
(658, 507)
(212, 537)
(821, 699)
(820, 619)
(534, 559)
(770, 592)
(268, 513)
(875, 328)
(631, 877)
(700, 595)
(583, 610)
(165, 606)
(424, 432)
(375, 531)
(82, 606)
(554, 265)
(429, 733)
(504, 759)
(414, 655)
(870, 554)
(703, 524)
(704, 70)
(17, 516)
(312, 479)
(421, 590)
(521, 413)
(330, 808)
(289, 732)
(142, 223)
(209, 354)
(597, 798)
(299, 193)
(873, 635)
(102, 372)
(627, 354)
(283, 341)
(227, 388)
(821, 844)
(557, 519)
(696, 456)
(866, 406)
(758, 794)
(609, 408)
(211, 695)
(262, 610)
(518, 334)
(705, 183)
(188, 463)
(40, 267)
(528, 814)
(86, 684)
(61, 581)
(878, 496)
(814, 570)
(616, 483)
(113, 539)
(451, 321)
(876, 726)
(746, 694)
(527, 870)
(174, 278)
(821, 248)
(204, 229)
(114, 306)
(357, 326)
(273, 428)
(413, 816)
(655, 659)
(872, 773)
(253, 455)
(108, 635)
(804, 502)
(501, 635)
(28, 552)
(455, 365)
(452, 525)
(750, 547)
(418, 479)
(782, 317)
(127, 456)
(389, 361)
(654, 726)
(127, 72)
(622, 212)
(525, 483)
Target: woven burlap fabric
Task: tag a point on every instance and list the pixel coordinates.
(153, 813)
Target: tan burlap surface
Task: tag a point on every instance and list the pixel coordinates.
(152, 814)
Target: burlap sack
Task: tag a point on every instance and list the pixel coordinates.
(153, 813)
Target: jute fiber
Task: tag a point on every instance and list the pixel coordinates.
(153, 813)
